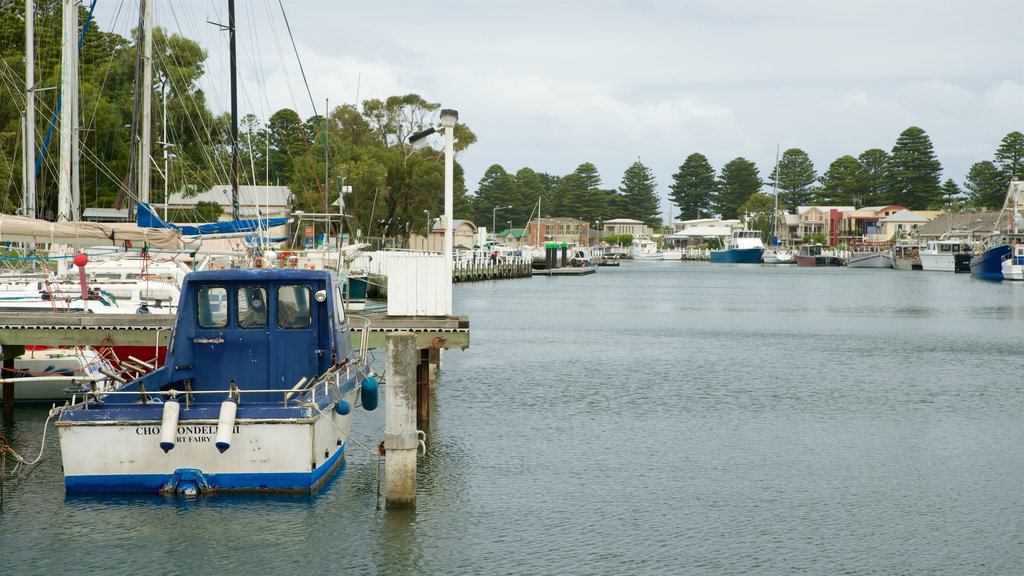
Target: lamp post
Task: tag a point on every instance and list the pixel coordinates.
(493, 214)
(426, 245)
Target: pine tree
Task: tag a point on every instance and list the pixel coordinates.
(986, 187)
(638, 196)
(874, 163)
(739, 180)
(843, 183)
(797, 178)
(694, 187)
(1010, 157)
(913, 174)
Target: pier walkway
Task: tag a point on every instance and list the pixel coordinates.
(70, 329)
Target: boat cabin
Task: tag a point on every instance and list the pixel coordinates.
(253, 331)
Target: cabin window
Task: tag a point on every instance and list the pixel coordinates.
(252, 307)
(212, 307)
(293, 307)
(339, 300)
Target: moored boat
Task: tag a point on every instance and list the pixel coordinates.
(946, 255)
(743, 247)
(257, 394)
(778, 256)
(1013, 267)
(814, 255)
(869, 260)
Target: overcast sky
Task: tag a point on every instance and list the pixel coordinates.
(549, 85)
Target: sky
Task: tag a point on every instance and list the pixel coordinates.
(549, 85)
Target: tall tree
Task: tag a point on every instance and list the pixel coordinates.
(951, 194)
(495, 191)
(797, 178)
(986, 187)
(581, 194)
(694, 187)
(1010, 157)
(638, 198)
(738, 181)
(875, 163)
(914, 171)
(843, 182)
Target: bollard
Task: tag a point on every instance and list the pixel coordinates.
(400, 420)
(565, 254)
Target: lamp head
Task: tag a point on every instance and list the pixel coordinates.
(449, 117)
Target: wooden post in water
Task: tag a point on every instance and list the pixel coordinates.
(400, 421)
(423, 390)
(10, 352)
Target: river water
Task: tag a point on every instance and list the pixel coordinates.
(656, 418)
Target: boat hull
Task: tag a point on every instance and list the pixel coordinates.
(989, 264)
(276, 454)
(870, 260)
(946, 262)
(737, 256)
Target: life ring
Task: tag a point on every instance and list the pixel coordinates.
(290, 259)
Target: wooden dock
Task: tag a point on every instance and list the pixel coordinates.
(568, 271)
(72, 329)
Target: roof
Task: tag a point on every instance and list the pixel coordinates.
(248, 195)
(514, 232)
(968, 223)
(622, 221)
(905, 217)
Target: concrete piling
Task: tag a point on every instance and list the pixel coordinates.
(400, 420)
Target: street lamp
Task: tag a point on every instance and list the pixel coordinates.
(493, 213)
(426, 244)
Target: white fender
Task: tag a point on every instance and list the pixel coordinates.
(226, 424)
(169, 426)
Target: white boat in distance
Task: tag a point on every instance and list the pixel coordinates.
(644, 249)
(948, 255)
(778, 256)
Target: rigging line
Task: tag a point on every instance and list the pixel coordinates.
(302, 127)
(53, 120)
(202, 131)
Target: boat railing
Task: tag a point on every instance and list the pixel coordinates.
(301, 388)
(364, 338)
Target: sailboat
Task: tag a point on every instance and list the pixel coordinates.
(776, 254)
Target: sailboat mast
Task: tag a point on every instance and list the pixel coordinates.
(68, 62)
(147, 101)
(29, 169)
(234, 110)
(775, 200)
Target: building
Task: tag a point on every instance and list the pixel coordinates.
(692, 233)
(511, 238)
(619, 226)
(571, 231)
(464, 237)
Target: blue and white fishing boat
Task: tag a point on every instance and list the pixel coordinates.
(257, 393)
(743, 247)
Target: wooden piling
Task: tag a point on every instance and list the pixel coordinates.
(400, 420)
(423, 390)
(10, 352)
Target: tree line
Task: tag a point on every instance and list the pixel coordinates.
(397, 189)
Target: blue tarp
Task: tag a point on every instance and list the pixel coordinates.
(147, 218)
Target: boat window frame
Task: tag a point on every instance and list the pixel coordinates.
(201, 300)
(265, 291)
(308, 316)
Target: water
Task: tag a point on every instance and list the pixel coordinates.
(658, 418)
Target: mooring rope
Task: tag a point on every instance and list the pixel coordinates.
(6, 450)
